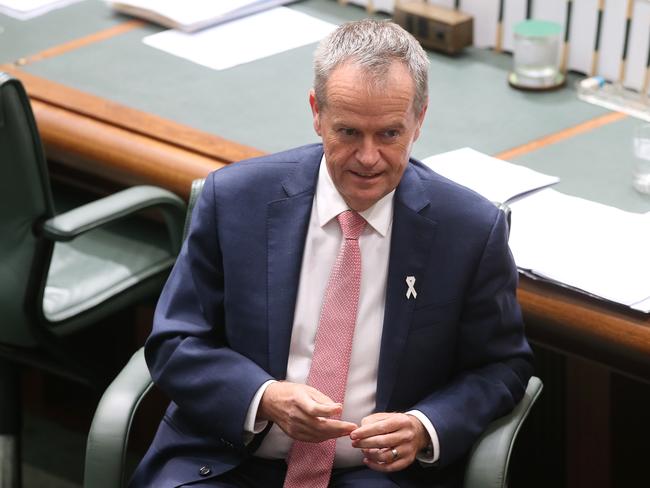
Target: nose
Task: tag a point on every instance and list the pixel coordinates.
(367, 152)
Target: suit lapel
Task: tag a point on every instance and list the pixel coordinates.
(287, 224)
(411, 241)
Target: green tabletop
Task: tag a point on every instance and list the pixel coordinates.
(20, 38)
(264, 103)
(596, 165)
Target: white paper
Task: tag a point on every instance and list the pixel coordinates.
(192, 15)
(27, 9)
(599, 249)
(188, 11)
(495, 179)
(243, 40)
(642, 306)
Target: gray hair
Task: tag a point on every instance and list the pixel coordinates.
(372, 45)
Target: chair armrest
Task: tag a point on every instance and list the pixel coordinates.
(487, 466)
(68, 225)
(109, 432)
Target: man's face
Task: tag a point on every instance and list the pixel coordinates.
(368, 129)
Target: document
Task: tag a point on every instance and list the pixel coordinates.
(594, 248)
(192, 15)
(495, 179)
(243, 40)
(27, 9)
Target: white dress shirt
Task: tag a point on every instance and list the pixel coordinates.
(322, 245)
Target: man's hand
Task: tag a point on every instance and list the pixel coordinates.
(390, 441)
(303, 412)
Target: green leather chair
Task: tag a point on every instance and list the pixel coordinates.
(60, 274)
(106, 448)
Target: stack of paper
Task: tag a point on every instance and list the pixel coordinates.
(243, 40)
(27, 9)
(599, 250)
(495, 179)
(192, 15)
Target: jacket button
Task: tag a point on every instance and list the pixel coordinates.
(204, 471)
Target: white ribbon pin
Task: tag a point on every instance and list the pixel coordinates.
(410, 281)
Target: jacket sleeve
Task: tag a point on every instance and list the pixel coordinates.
(493, 356)
(187, 351)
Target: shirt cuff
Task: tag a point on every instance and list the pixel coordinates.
(252, 426)
(428, 456)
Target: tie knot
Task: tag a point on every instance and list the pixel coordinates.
(352, 224)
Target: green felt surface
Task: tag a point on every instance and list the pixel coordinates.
(596, 165)
(23, 38)
(264, 104)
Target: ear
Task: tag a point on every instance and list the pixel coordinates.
(420, 119)
(314, 111)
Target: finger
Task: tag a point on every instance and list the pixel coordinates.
(322, 429)
(377, 455)
(335, 428)
(325, 410)
(381, 441)
(386, 425)
(315, 404)
(386, 467)
(375, 417)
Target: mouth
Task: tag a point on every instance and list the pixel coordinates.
(366, 175)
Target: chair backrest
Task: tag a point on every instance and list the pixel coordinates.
(109, 433)
(25, 199)
(197, 187)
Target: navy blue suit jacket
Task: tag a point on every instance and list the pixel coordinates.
(223, 323)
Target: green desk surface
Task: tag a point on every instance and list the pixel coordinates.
(23, 38)
(264, 103)
(596, 165)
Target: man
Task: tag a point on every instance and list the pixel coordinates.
(339, 315)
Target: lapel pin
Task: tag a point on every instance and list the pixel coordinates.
(410, 281)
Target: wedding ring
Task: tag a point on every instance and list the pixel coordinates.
(395, 454)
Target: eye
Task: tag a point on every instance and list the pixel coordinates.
(347, 131)
(391, 133)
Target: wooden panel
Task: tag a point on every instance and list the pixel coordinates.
(121, 144)
(573, 323)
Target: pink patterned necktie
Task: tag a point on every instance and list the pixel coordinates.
(310, 463)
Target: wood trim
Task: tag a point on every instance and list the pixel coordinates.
(81, 42)
(119, 155)
(562, 135)
(118, 115)
(577, 325)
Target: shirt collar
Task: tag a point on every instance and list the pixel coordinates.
(330, 203)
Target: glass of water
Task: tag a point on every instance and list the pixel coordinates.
(641, 176)
(536, 59)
